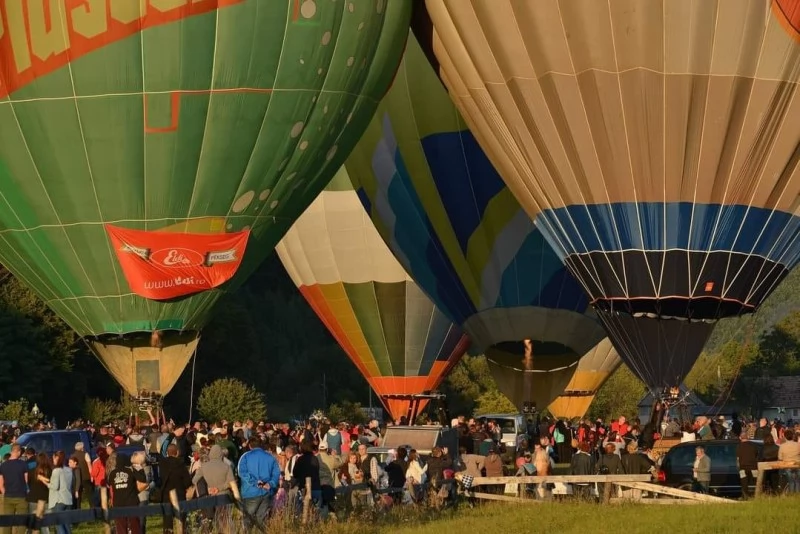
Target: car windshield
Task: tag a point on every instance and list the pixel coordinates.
(506, 425)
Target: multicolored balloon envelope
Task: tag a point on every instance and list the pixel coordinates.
(395, 335)
(143, 143)
(593, 370)
(655, 144)
(447, 216)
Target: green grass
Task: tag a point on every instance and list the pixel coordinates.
(764, 516)
(768, 516)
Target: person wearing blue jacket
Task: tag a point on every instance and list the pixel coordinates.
(260, 476)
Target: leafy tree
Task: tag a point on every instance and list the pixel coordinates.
(351, 412)
(101, 411)
(492, 401)
(25, 363)
(713, 373)
(231, 399)
(19, 410)
(779, 352)
(466, 383)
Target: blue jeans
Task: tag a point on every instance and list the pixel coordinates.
(792, 480)
(96, 497)
(66, 528)
(256, 510)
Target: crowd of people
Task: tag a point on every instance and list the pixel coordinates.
(269, 463)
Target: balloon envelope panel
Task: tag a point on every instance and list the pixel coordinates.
(207, 116)
(591, 373)
(450, 220)
(392, 332)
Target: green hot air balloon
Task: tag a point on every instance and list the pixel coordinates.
(153, 152)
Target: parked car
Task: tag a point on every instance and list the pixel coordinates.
(678, 464)
(512, 426)
(50, 441)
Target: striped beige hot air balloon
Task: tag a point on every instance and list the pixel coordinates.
(392, 332)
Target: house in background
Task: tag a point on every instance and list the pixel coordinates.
(780, 398)
(689, 406)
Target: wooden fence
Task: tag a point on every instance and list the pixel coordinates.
(763, 467)
(167, 511)
(634, 482)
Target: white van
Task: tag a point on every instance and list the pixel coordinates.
(512, 426)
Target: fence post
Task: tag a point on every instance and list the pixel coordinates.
(177, 524)
(607, 487)
(104, 506)
(307, 501)
(760, 481)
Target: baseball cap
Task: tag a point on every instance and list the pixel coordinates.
(323, 446)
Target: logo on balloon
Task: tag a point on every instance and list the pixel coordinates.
(162, 265)
(177, 257)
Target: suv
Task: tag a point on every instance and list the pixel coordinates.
(678, 464)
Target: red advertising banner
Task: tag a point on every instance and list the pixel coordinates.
(165, 265)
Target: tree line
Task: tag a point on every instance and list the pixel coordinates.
(267, 336)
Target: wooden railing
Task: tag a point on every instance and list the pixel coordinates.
(763, 467)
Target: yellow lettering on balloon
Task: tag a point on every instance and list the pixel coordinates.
(167, 5)
(17, 34)
(89, 18)
(47, 41)
(126, 11)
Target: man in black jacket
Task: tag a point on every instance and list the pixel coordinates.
(747, 461)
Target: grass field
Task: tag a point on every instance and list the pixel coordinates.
(764, 516)
(769, 515)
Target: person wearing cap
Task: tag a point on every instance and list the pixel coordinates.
(330, 463)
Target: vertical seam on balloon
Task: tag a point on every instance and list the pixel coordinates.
(208, 113)
(198, 309)
(273, 186)
(26, 279)
(477, 280)
(290, 19)
(545, 217)
(777, 263)
(772, 210)
(145, 202)
(111, 257)
(628, 150)
(370, 350)
(721, 210)
(566, 205)
(442, 252)
(86, 320)
(14, 249)
(665, 244)
(690, 289)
